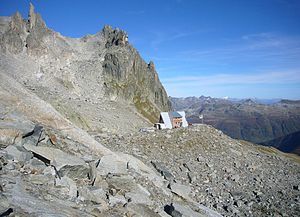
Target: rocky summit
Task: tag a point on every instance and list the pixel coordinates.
(70, 110)
(85, 78)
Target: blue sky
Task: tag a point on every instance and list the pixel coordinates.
(235, 48)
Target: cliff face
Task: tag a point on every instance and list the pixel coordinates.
(93, 68)
(127, 76)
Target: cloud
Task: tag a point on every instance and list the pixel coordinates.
(263, 85)
(160, 37)
(261, 48)
(230, 79)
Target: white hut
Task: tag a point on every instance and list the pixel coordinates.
(170, 120)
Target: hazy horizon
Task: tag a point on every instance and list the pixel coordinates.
(239, 49)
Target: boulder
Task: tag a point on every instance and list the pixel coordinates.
(125, 182)
(33, 137)
(111, 164)
(94, 195)
(65, 164)
(140, 210)
(163, 171)
(68, 186)
(37, 164)
(181, 190)
(18, 153)
(117, 200)
(139, 195)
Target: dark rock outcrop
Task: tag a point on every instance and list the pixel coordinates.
(128, 76)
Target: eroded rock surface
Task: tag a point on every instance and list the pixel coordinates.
(234, 178)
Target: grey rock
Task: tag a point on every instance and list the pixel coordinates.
(110, 164)
(117, 200)
(37, 164)
(36, 206)
(18, 153)
(6, 212)
(141, 210)
(178, 210)
(10, 165)
(65, 164)
(68, 186)
(163, 171)
(139, 195)
(207, 211)
(41, 179)
(74, 171)
(97, 196)
(33, 137)
(183, 210)
(123, 182)
(49, 171)
(181, 190)
(235, 178)
(99, 193)
(4, 204)
(92, 172)
(100, 182)
(257, 193)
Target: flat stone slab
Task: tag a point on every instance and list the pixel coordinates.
(181, 190)
(18, 153)
(66, 164)
(57, 157)
(111, 164)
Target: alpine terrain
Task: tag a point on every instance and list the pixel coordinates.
(247, 119)
(70, 145)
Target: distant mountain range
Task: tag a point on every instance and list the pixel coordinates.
(248, 119)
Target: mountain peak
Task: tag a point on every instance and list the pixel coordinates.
(111, 67)
(31, 16)
(114, 36)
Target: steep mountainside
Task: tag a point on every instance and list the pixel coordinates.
(94, 69)
(69, 110)
(245, 119)
(288, 143)
(50, 167)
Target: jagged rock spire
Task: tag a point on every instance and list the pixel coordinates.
(31, 16)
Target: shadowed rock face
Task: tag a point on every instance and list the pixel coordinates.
(288, 143)
(105, 62)
(127, 76)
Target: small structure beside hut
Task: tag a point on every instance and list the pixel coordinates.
(170, 120)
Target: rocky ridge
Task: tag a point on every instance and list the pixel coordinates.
(77, 75)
